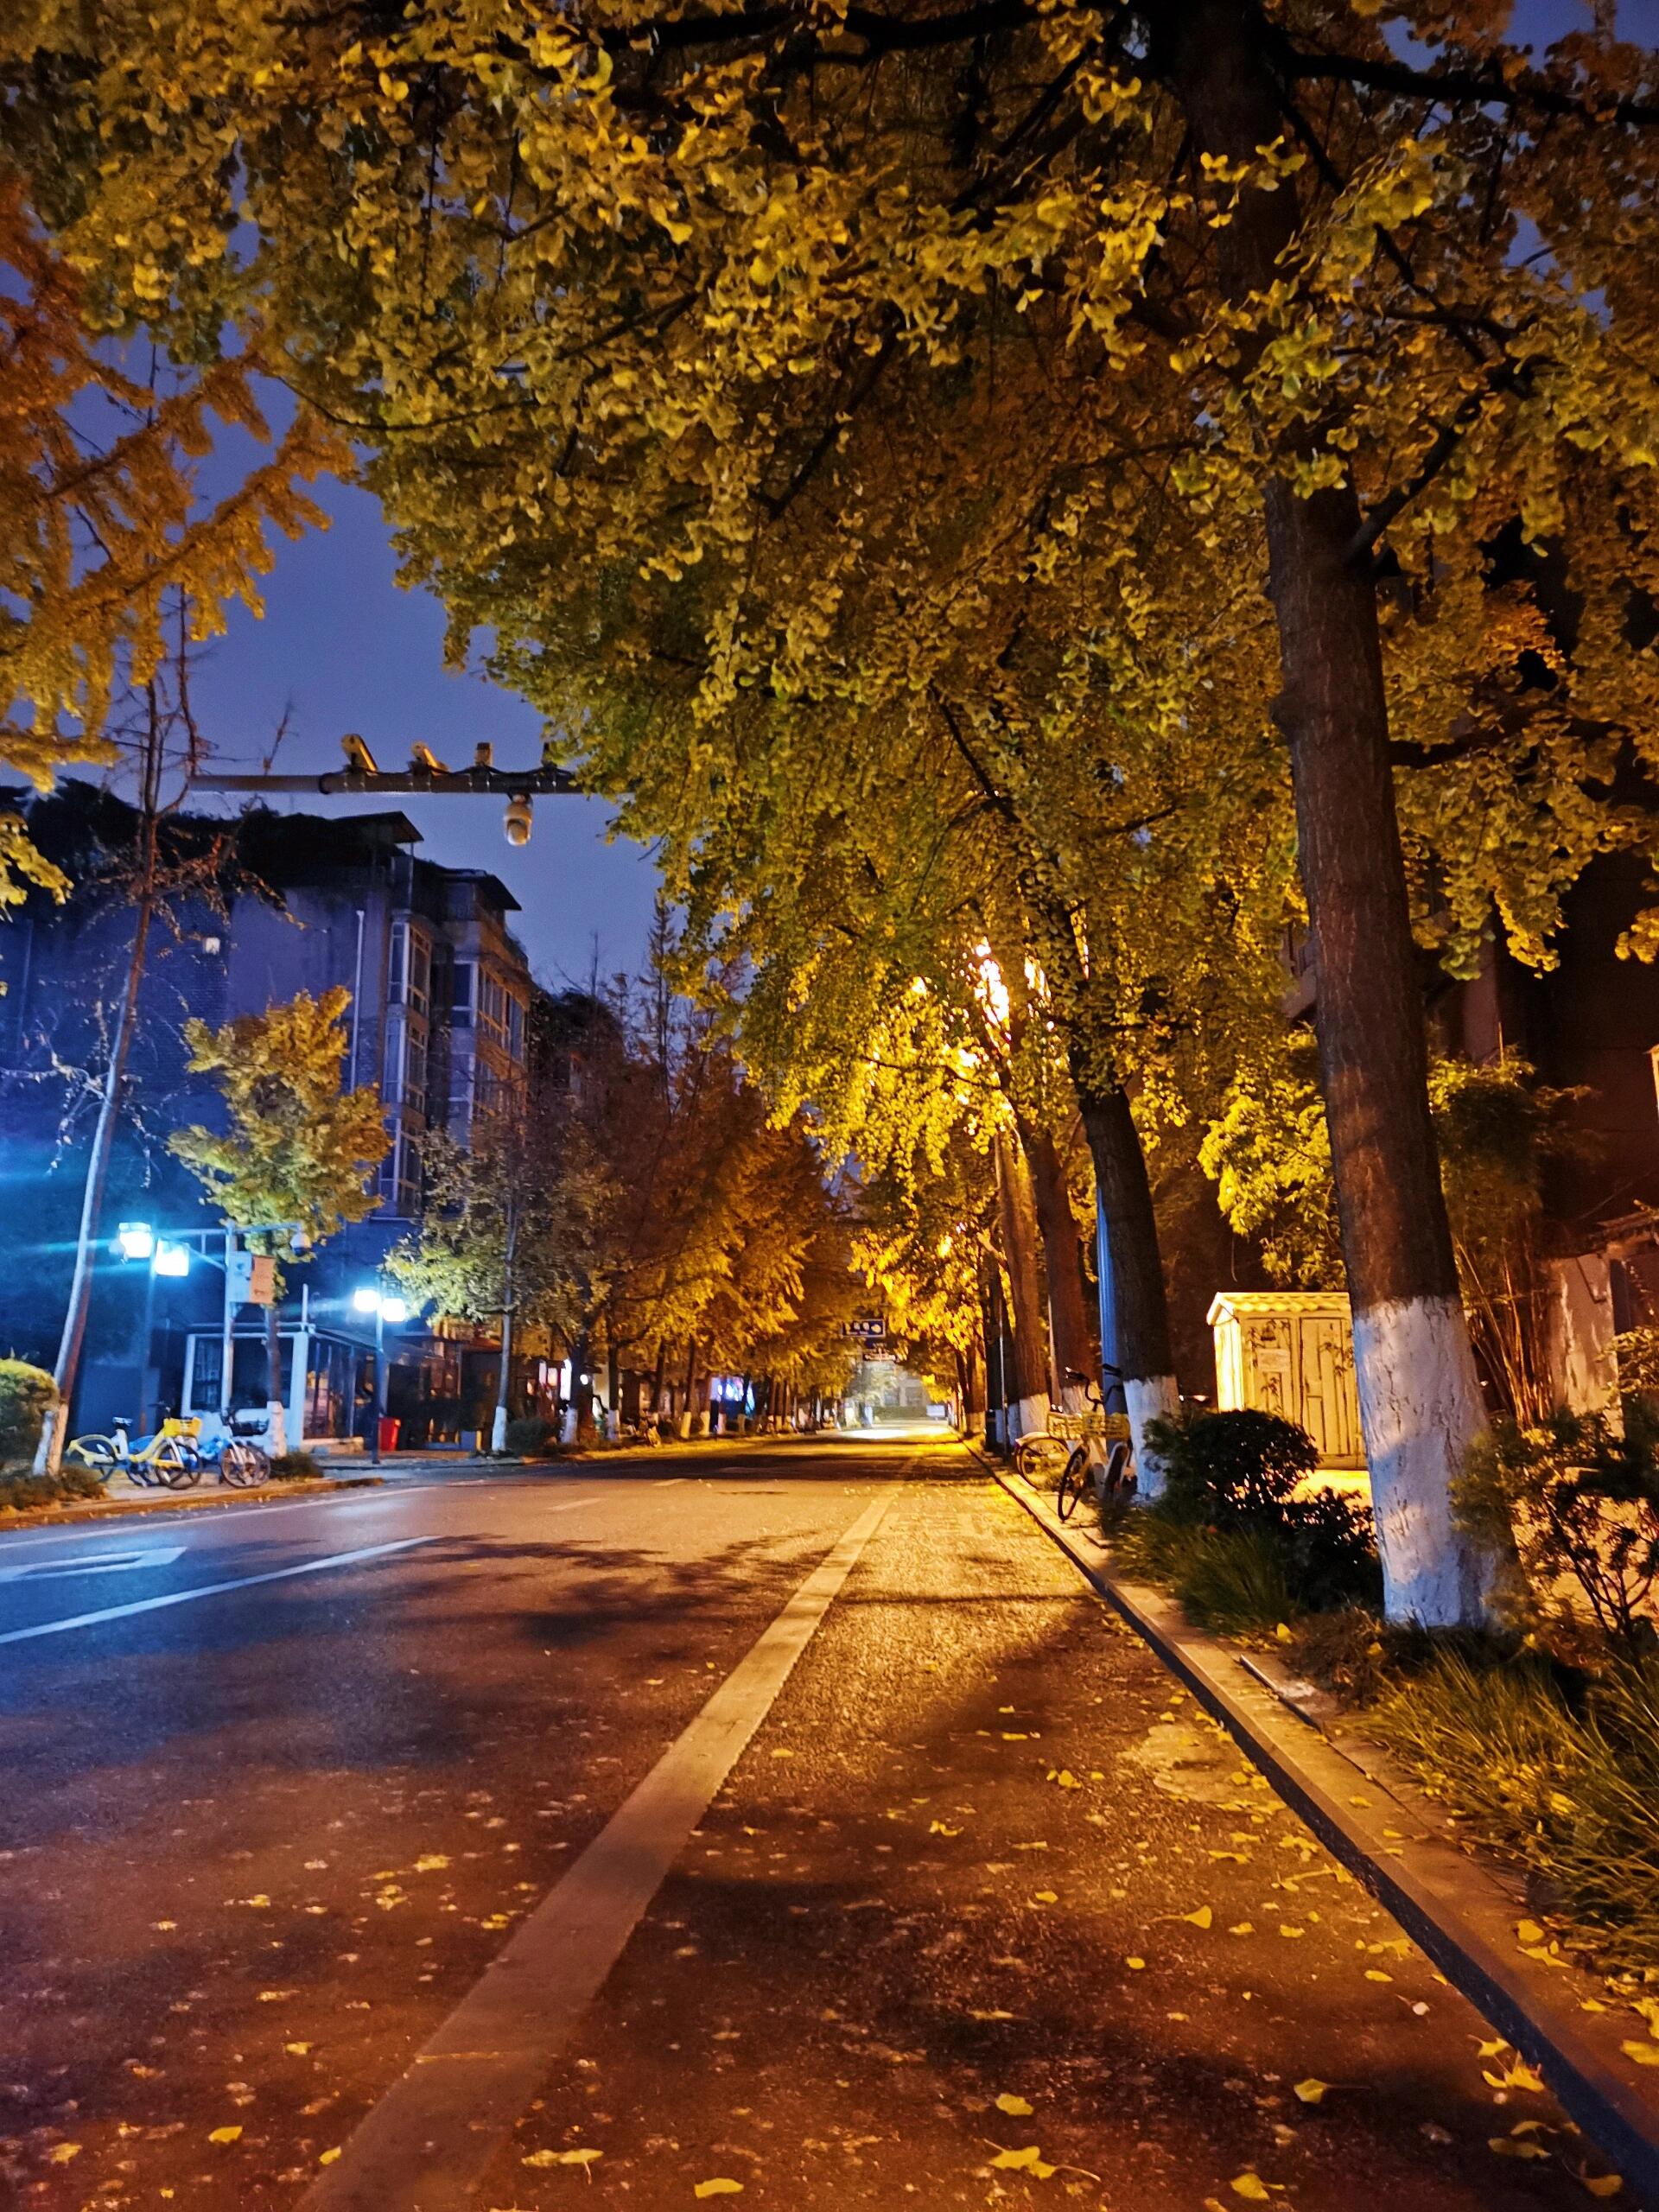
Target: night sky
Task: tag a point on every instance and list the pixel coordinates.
(342, 647)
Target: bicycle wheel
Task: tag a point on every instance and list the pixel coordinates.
(1074, 1482)
(1117, 1482)
(97, 1455)
(242, 1465)
(178, 1468)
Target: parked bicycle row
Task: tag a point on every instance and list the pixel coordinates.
(175, 1457)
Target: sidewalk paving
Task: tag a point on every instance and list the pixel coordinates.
(990, 1914)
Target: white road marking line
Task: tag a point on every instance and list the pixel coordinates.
(428, 2143)
(42, 1570)
(669, 1481)
(211, 1590)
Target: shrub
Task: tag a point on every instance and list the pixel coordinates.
(25, 1493)
(296, 1466)
(27, 1394)
(1570, 1506)
(1224, 1467)
(1255, 1554)
(530, 1436)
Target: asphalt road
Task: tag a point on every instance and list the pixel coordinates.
(931, 1832)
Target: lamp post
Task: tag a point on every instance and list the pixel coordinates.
(370, 1298)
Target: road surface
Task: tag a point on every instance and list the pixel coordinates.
(912, 1877)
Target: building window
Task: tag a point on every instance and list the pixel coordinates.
(460, 1002)
(516, 1029)
(493, 1003)
(408, 978)
(415, 1072)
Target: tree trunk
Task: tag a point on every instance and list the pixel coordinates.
(1419, 1395)
(1137, 1366)
(660, 1379)
(1067, 1321)
(1027, 1353)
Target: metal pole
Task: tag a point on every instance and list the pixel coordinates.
(379, 1381)
(146, 1330)
(227, 1347)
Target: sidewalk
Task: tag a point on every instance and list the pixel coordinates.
(990, 1914)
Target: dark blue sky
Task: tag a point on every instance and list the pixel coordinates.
(342, 648)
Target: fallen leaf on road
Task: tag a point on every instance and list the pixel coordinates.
(275, 1996)
(1251, 2186)
(1014, 1737)
(1528, 1931)
(583, 2158)
(1302, 1931)
(1602, 2184)
(164, 1925)
(1282, 1632)
(60, 2153)
(1134, 1965)
(327, 2158)
(1518, 2076)
(938, 1828)
(1201, 1918)
(225, 2135)
(1242, 1928)
(1491, 2049)
(1016, 2107)
(1375, 1974)
(1052, 1897)
(1065, 1777)
(990, 2016)
(1028, 2161)
(719, 2187)
(777, 1755)
(1510, 2146)
(1312, 2090)
(1645, 2054)
(299, 2049)
(431, 1862)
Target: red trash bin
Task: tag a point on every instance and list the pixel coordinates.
(389, 1429)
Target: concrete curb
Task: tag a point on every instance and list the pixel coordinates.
(1454, 1910)
(123, 1509)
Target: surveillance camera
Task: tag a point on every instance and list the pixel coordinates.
(517, 821)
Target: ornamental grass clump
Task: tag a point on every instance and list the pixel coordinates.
(1235, 1533)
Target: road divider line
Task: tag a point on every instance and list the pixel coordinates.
(428, 2144)
(211, 1590)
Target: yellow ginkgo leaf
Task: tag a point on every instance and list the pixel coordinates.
(1528, 1931)
(1293, 1931)
(1491, 2049)
(1028, 2161)
(1065, 1778)
(431, 1862)
(1134, 1965)
(1283, 1632)
(990, 2016)
(1602, 2184)
(1250, 2186)
(225, 2135)
(1645, 2054)
(327, 2158)
(777, 1755)
(1016, 2107)
(938, 1828)
(60, 2153)
(1312, 2090)
(299, 2049)
(720, 2186)
(1375, 1974)
(583, 2159)
(1052, 1897)
(1515, 2146)
(1242, 1928)
(1201, 1918)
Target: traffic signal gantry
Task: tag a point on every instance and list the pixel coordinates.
(426, 777)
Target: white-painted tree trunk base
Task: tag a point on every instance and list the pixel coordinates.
(276, 1427)
(1028, 1416)
(498, 1429)
(1149, 1398)
(1420, 1408)
(49, 1453)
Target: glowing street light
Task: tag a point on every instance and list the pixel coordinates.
(368, 1297)
(135, 1240)
(173, 1260)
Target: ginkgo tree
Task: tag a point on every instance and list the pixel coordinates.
(297, 1154)
(631, 295)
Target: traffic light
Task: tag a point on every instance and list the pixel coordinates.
(517, 821)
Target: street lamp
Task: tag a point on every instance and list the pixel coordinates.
(368, 1297)
(135, 1240)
